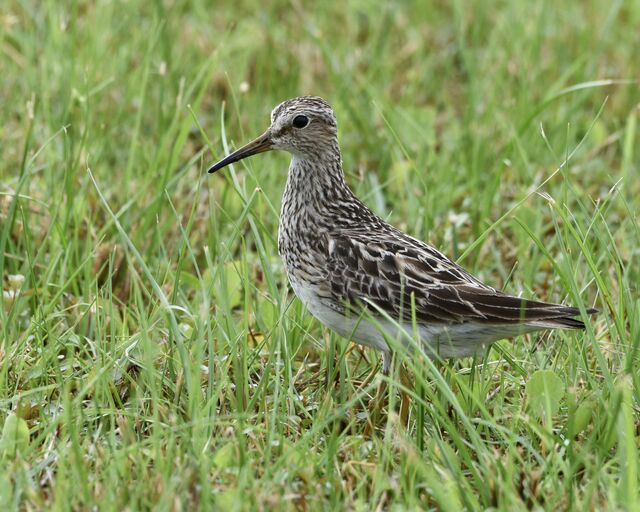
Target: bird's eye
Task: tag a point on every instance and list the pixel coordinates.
(300, 121)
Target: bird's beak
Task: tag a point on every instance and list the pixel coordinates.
(259, 145)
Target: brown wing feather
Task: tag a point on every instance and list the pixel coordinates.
(393, 274)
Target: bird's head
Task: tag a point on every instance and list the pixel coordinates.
(304, 126)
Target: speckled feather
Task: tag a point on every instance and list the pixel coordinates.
(343, 260)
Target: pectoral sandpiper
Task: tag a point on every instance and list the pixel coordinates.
(361, 276)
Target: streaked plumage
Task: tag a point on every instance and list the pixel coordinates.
(343, 260)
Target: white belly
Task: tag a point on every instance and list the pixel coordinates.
(359, 330)
(457, 340)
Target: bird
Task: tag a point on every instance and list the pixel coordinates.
(367, 280)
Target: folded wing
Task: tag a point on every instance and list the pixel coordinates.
(402, 276)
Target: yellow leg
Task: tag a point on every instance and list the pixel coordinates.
(405, 380)
(377, 402)
(375, 407)
(368, 379)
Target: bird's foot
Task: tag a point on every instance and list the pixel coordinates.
(375, 408)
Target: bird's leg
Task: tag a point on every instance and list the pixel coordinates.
(386, 370)
(369, 378)
(375, 405)
(405, 380)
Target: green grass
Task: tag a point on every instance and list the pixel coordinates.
(151, 354)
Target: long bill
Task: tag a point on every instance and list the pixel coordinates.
(259, 145)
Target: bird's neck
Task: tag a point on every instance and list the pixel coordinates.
(317, 200)
(313, 197)
(315, 184)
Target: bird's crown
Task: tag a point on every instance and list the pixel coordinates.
(305, 105)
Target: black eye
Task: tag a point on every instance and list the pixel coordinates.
(300, 121)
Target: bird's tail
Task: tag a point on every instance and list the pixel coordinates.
(566, 321)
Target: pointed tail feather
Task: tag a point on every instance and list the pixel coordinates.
(501, 308)
(567, 321)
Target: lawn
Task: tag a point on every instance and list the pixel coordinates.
(152, 355)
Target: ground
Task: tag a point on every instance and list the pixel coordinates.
(151, 353)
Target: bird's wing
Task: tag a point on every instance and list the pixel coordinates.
(392, 274)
